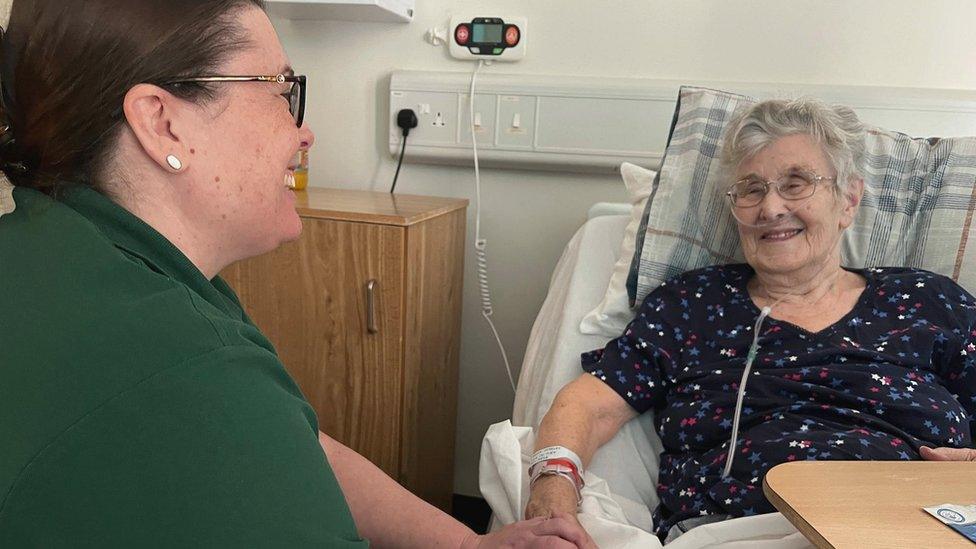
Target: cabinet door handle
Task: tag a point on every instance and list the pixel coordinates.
(371, 307)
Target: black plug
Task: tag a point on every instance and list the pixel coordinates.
(406, 120)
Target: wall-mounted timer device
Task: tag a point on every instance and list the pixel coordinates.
(488, 38)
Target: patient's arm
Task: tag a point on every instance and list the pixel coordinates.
(584, 416)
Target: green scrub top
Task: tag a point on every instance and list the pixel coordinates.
(139, 405)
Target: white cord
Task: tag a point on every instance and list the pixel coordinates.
(474, 149)
(481, 244)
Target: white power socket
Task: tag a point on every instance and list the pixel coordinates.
(488, 38)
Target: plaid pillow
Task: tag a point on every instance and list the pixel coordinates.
(917, 211)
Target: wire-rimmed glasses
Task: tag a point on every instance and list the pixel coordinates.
(795, 185)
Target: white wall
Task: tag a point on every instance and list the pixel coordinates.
(528, 217)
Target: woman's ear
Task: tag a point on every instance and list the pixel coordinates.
(852, 200)
(153, 116)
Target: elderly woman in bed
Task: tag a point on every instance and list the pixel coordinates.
(840, 363)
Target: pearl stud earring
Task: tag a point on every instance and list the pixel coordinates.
(174, 162)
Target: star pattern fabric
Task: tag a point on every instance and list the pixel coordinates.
(895, 373)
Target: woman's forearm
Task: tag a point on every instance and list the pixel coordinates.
(385, 512)
(568, 425)
(584, 416)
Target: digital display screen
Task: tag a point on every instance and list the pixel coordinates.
(481, 34)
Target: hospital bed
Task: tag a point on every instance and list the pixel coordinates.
(620, 482)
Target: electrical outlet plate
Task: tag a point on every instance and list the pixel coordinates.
(436, 116)
(491, 38)
(529, 121)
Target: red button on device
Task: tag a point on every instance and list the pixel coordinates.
(461, 34)
(512, 36)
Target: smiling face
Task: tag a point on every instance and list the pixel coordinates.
(244, 150)
(775, 242)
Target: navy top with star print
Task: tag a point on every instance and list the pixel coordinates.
(895, 373)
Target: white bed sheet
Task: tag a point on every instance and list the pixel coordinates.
(620, 480)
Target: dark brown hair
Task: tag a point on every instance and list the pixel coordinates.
(66, 65)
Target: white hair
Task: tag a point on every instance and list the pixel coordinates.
(835, 127)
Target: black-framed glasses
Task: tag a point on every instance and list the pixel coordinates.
(295, 93)
(795, 185)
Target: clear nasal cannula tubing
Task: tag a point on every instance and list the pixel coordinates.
(750, 358)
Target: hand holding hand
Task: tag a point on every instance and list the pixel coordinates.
(559, 532)
(947, 454)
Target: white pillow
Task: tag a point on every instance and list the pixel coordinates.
(611, 316)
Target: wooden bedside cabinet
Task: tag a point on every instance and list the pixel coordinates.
(365, 313)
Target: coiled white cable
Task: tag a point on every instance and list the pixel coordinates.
(481, 244)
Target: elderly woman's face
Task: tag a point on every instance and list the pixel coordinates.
(807, 239)
(245, 146)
